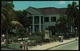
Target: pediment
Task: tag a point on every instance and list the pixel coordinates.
(33, 11)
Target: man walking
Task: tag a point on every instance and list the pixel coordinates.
(21, 45)
(61, 38)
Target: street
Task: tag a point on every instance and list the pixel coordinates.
(69, 46)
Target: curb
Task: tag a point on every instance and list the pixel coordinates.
(60, 45)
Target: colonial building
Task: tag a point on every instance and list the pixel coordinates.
(42, 18)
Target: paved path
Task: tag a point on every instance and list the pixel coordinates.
(52, 44)
(68, 46)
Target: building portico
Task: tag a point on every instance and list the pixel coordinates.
(42, 18)
(36, 23)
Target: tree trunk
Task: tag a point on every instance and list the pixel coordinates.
(1, 29)
(1, 33)
(22, 37)
(78, 27)
(7, 36)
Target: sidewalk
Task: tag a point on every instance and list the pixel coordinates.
(52, 44)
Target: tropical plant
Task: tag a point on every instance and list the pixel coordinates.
(62, 25)
(72, 13)
(7, 20)
(22, 18)
(53, 29)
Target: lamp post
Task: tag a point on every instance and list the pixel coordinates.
(26, 29)
(76, 32)
(30, 29)
(29, 37)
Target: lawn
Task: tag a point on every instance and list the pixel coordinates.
(12, 47)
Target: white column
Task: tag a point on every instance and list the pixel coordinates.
(43, 22)
(33, 24)
(49, 19)
(39, 23)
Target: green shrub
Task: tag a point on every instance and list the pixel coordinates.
(3, 45)
(32, 43)
(36, 38)
(51, 39)
(15, 40)
(54, 38)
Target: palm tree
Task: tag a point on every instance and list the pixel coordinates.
(2, 23)
(71, 13)
(22, 18)
(8, 19)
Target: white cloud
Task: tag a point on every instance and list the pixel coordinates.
(62, 2)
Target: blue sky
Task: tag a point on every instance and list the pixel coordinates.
(21, 5)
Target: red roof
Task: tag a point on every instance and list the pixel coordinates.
(53, 10)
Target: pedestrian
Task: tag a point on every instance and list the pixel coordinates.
(62, 38)
(21, 46)
(27, 45)
(59, 38)
(24, 45)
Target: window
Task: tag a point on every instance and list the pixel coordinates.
(46, 19)
(36, 19)
(41, 27)
(53, 19)
(36, 28)
(30, 20)
(42, 19)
